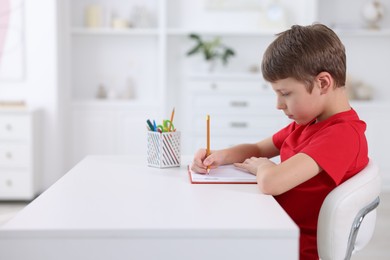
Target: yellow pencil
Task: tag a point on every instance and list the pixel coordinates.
(208, 139)
(172, 115)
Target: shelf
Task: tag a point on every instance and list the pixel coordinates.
(113, 31)
(186, 31)
(362, 32)
(227, 77)
(271, 32)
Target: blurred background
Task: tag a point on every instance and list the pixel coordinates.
(82, 76)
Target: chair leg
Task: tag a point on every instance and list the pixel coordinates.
(356, 225)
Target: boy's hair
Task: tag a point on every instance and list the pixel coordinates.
(302, 52)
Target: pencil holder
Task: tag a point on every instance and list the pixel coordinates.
(163, 149)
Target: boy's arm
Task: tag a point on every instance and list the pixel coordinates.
(239, 153)
(275, 179)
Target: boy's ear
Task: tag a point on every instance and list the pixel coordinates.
(325, 82)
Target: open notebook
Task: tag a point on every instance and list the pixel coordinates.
(226, 174)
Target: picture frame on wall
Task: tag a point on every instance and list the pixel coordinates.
(12, 42)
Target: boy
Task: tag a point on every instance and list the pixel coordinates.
(323, 146)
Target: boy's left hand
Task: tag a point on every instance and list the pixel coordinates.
(254, 164)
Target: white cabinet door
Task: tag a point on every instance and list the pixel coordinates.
(93, 132)
(132, 137)
(109, 130)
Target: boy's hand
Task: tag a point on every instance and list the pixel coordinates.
(254, 164)
(200, 162)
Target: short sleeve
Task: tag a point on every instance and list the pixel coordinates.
(335, 149)
(279, 137)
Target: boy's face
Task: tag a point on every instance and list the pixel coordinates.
(296, 102)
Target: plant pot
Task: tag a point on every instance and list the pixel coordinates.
(211, 66)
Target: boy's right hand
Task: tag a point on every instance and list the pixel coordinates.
(200, 162)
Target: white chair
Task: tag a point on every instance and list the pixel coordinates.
(342, 213)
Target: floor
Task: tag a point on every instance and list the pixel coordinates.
(9, 209)
(378, 249)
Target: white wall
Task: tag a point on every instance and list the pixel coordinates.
(45, 77)
(39, 87)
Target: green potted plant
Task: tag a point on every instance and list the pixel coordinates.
(212, 50)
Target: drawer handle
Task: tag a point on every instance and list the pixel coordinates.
(8, 127)
(238, 103)
(8, 155)
(239, 124)
(9, 183)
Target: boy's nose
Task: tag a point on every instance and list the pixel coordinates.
(279, 104)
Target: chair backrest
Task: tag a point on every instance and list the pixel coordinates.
(342, 211)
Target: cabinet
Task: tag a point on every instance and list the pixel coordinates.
(241, 107)
(19, 155)
(151, 59)
(116, 75)
(108, 128)
(124, 62)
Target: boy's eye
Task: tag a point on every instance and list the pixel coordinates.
(285, 94)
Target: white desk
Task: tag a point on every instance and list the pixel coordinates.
(115, 207)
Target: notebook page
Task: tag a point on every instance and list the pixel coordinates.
(224, 173)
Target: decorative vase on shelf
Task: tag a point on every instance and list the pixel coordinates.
(101, 92)
(93, 16)
(372, 13)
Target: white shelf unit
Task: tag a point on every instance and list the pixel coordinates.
(155, 58)
(111, 31)
(20, 156)
(108, 60)
(117, 58)
(128, 63)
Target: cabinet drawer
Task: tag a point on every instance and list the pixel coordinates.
(239, 125)
(241, 104)
(225, 87)
(15, 127)
(14, 154)
(15, 185)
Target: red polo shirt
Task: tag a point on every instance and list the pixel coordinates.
(339, 146)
